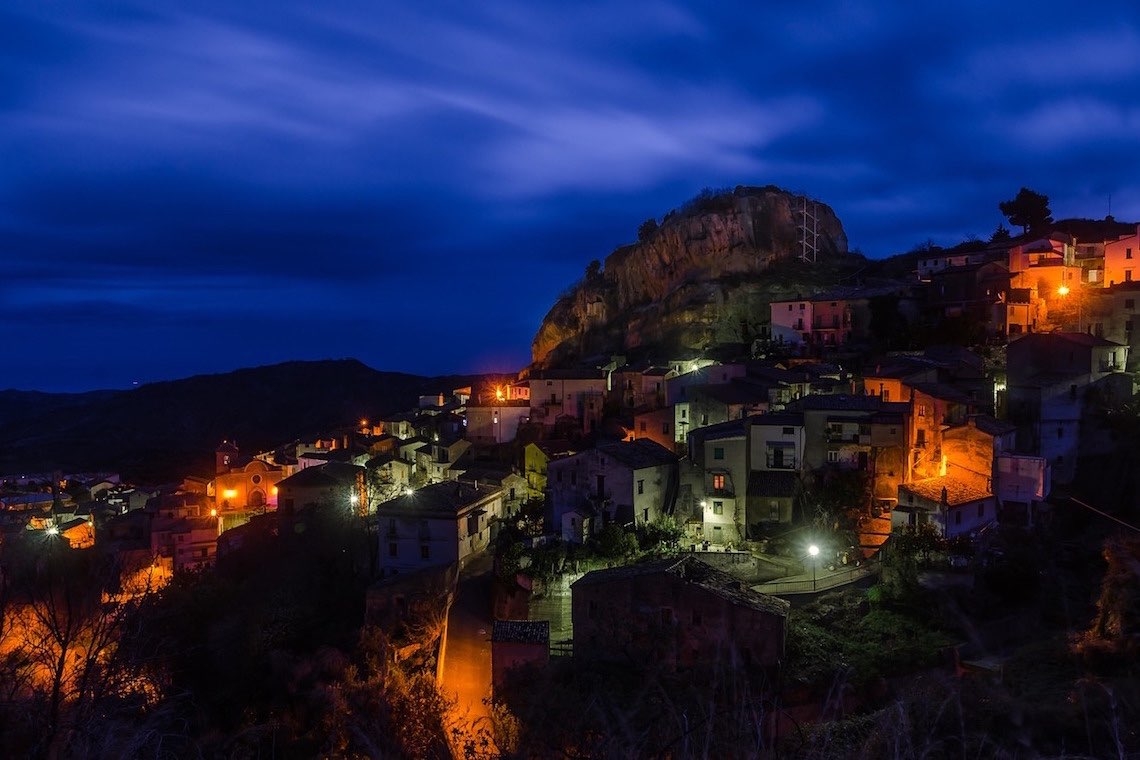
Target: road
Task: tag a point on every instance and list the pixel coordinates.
(465, 674)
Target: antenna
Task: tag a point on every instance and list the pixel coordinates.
(808, 229)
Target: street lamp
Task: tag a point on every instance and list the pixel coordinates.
(813, 550)
(1064, 291)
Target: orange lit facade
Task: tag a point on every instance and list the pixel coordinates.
(252, 486)
(1122, 259)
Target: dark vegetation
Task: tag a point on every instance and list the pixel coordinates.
(163, 431)
(265, 655)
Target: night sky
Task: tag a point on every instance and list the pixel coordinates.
(206, 186)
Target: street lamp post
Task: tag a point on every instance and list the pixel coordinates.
(813, 551)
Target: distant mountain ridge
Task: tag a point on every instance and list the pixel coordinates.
(163, 430)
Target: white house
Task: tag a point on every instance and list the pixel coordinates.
(439, 524)
(628, 482)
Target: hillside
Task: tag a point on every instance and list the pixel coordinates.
(701, 278)
(164, 430)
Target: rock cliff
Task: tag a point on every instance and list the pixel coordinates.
(703, 277)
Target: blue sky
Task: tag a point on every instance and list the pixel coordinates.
(196, 187)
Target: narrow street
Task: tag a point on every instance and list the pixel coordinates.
(465, 672)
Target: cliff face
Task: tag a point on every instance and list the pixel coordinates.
(702, 277)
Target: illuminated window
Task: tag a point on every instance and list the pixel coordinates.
(718, 482)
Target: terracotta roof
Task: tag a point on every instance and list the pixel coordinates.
(958, 491)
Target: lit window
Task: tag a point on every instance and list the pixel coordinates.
(718, 482)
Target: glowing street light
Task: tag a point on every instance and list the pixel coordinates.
(813, 551)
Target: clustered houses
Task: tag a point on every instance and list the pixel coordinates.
(730, 451)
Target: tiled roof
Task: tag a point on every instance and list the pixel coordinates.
(774, 483)
(445, 499)
(639, 453)
(992, 425)
(521, 631)
(698, 573)
(958, 491)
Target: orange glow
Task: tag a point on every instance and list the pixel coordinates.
(273, 490)
(499, 395)
(213, 513)
(1063, 290)
(942, 466)
(229, 493)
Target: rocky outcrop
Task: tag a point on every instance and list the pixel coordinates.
(702, 277)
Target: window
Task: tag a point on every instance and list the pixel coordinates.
(1130, 303)
(774, 509)
(683, 413)
(665, 428)
(833, 456)
(718, 507)
(559, 476)
(1127, 253)
(704, 419)
(801, 307)
(641, 426)
(1072, 391)
(1060, 432)
(718, 482)
(472, 524)
(512, 493)
(641, 486)
(255, 479)
(789, 431)
(573, 477)
(425, 551)
(645, 515)
(922, 410)
(592, 609)
(718, 452)
(392, 549)
(789, 307)
(1128, 275)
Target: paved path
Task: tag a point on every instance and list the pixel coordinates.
(465, 670)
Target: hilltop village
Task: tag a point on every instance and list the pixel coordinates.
(883, 449)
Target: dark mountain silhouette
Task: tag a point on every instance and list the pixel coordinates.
(162, 431)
